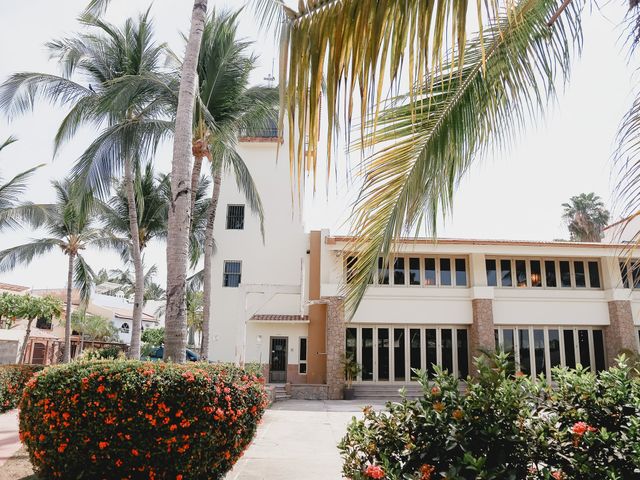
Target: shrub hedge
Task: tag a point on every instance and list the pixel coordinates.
(13, 378)
(134, 420)
(585, 426)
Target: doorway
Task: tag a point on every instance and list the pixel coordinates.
(278, 360)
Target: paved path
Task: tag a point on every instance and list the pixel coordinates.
(9, 441)
(297, 440)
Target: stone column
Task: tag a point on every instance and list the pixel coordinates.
(621, 334)
(481, 333)
(336, 337)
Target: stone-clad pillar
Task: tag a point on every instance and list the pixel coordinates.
(621, 333)
(336, 338)
(481, 333)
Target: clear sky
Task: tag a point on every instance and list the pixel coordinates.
(515, 194)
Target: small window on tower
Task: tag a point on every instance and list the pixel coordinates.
(232, 274)
(235, 217)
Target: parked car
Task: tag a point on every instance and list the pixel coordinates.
(158, 354)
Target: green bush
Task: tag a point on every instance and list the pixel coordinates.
(110, 352)
(587, 426)
(13, 378)
(134, 420)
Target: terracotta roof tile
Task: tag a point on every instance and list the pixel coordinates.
(13, 288)
(280, 318)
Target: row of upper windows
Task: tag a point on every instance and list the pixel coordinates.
(501, 272)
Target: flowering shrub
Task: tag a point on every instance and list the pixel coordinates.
(12, 380)
(134, 420)
(587, 426)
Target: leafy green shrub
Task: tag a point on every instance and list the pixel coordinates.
(110, 352)
(585, 427)
(134, 420)
(13, 378)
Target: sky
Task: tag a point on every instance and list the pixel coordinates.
(513, 194)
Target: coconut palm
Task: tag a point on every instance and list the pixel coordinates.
(461, 102)
(586, 217)
(111, 79)
(179, 213)
(70, 227)
(125, 280)
(12, 210)
(228, 107)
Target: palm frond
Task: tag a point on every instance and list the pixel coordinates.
(83, 278)
(8, 142)
(24, 254)
(473, 102)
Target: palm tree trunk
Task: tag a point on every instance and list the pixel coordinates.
(195, 180)
(67, 316)
(179, 214)
(208, 254)
(23, 350)
(136, 257)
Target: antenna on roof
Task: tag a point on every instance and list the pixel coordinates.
(270, 78)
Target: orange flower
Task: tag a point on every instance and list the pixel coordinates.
(457, 414)
(134, 452)
(438, 407)
(103, 445)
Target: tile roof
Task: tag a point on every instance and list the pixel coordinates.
(280, 318)
(13, 288)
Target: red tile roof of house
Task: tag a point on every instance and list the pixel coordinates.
(13, 288)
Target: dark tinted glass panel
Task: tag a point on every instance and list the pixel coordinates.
(414, 271)
(536, 273)
(565, 274)
(598, 350)
(367, 354)
(445, 271)
(303, 368)
(569, 349)
(508, 347)
(635, 273)
(554, 348)
(538, 345)
(303, 349)
(594, 275)
(463, 353)
(525, 351)
(398, 271)
(521, 273)
(496, 338)
(383, 272)
(578, 270)
(383, 354)
(398, 354)
(432, 358)
(505, 273)
(232, 275)
(429, 271)
(491, 273)
(351, 261)
(351, 343)
(550, 273)
(414, 350)
(624, 272)
(583, 343)
(447, 350)
(461, 272)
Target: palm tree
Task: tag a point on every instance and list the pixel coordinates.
(586, 217)
(179, 214)
(462, 100)
(228, 107)
(121, 91)
(11, 210)
(126, 283)
(70, 225)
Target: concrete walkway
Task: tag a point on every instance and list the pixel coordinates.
(9, 441)
(298, 439)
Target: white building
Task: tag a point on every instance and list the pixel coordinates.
(279, 302)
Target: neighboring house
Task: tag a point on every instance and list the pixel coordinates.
(14, 289)
(280, 302)
(120, 312)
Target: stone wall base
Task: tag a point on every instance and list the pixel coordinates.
(309, 392)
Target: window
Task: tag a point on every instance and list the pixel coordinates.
(429, 271)
(445, 271)
(232, 273)
(235, 217)
(630, 272)
(536, 350)
(383, 272)
(351, 262)
(124, 328)
(44, 323)
(302, 356)
(390, 354)
(461, 272)
(528, 273)
(398, 271)
(414, 271)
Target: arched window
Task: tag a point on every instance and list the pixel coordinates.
(124, 328)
